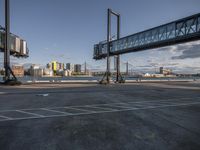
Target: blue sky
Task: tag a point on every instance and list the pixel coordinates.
(66, 30)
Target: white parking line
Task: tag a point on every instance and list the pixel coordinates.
(127, 107)
(138, 102)
(56, 111)
(1, 93)
(149, 107)
(100, 107)
(8, 118)
(115, 105)
(166, 100)
(33, 114)
(79, 109)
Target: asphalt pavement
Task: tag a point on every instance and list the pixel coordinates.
(137, 116)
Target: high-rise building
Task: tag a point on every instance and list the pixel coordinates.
(57, 66)
(18, 70)
(48, 72)
(77, 68)
(36, 71)
(69, 66)
(165, 71)
(161, 70)
(49, 66)
(54, 65)
(60, 66)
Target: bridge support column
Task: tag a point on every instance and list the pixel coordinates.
(119, 78)
(118, 68)
(127, 69)
(108, 45)
(108, 74)
(8, 70)
(106, 78)
(7, 40)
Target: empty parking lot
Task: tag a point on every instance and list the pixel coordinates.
(119, 117)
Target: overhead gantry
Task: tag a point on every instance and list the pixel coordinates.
(18, 46)
(176, 32)
(11, 44)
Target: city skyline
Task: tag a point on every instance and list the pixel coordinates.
(71, 35)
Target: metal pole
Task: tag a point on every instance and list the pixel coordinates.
(85, 68)
(118, 68)
(118, 56)
(7, 40)
(127, 68)
(108, 46)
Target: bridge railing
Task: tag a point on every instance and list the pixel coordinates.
(179, 31)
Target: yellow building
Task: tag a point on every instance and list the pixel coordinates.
(54, 65)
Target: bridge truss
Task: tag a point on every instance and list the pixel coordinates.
(176, 32)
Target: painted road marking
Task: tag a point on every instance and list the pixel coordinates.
(78, 109)
(25, 112)
(99, 107)
(4, 117)
(2, 93)
(112, 107)
(137, 102)
(92, 108)
(98, 112)
(141, 103)
(118, 106)
(56, 111)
